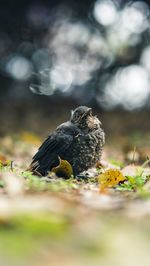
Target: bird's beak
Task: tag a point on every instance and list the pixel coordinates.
(89, 111)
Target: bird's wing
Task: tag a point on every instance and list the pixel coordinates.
(48, 153)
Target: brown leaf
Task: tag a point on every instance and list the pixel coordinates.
(3, 160)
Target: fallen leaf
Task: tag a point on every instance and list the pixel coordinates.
(64, 169)
(110, 178)
(4, 161)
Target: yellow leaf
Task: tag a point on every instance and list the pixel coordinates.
(64, 169)
(110, 178)
(30, 138)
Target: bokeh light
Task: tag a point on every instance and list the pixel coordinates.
(129, 88)
(105, 12)
(134, 18)
(19, 67)
(61, 53)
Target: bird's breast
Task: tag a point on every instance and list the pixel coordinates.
(86, 151)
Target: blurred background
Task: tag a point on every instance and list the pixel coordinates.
(55, 55)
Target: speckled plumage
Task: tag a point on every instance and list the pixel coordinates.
(79, 141)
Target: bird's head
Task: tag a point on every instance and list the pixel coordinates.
(83, 118)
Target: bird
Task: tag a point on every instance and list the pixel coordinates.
(78, 141)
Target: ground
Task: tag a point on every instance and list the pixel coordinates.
(52, 221)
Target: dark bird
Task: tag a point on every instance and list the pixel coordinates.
(79, 141)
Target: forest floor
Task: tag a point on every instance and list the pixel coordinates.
(74, 222)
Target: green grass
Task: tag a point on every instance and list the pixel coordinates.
(116, 163)
(40, 184)
(134, 183)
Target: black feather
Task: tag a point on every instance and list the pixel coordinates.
(79, 141)
(47, 156)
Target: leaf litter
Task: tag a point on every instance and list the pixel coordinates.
(82, 212)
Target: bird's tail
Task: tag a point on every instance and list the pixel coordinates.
(34, 168)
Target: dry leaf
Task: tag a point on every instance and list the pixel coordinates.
(110, 178)
(4, 161)
(64, 169)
